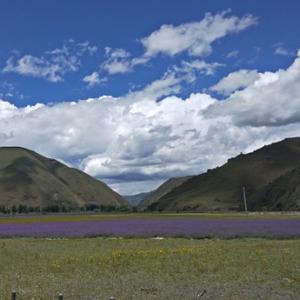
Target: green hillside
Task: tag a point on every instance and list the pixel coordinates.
(27, 178)
(284, 192)
(265, 173)
(162, 190)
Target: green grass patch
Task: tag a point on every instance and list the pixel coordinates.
(150, 269)
(124, 216)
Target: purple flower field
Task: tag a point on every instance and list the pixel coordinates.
(196, 228)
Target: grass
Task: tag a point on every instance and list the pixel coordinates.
(97, 268)
(111, 216)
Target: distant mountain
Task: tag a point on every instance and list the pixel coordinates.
(27, 178)
(270, 175)
(143, 200)
(162, 190)
(134, 200)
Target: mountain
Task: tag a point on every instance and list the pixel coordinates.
(270, 175)
(27, 178)
(284, 192)
(162, 190)
(143, 200)
(135, 200)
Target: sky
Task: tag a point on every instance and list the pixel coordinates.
(136, 92)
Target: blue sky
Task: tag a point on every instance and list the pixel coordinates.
(159, 82)
(35, 27)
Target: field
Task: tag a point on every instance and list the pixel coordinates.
(150, 266)
(151, 225)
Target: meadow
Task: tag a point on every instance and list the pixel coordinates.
(151, 264)
(98, 268)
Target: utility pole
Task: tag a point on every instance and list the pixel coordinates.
(245, 199)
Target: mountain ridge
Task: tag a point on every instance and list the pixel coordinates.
(28, 178)
(162, 190)
(221, 188)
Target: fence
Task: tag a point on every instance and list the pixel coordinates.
(59, 297)
(200, 293)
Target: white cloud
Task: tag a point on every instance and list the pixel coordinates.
(86, 47)
(93, 79)
(36, 67)
(116, 53)
(117, 61)
(135, 187)
(8, 90)
(271, 100)
(284, 52)
(53, 65)
(116, 67)
(196, 37)
(7, 110)
(199, 66)
(235, 81)
(170, 83)
(135, 141)
(233, 54)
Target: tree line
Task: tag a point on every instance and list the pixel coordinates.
(23, 209)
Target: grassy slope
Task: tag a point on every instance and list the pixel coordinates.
(162, 190)
(150, 269)
(286, 186)
(33, 180)
(221, 188)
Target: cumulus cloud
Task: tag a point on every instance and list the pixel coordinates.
(135, 142)
(93, 79)
(53, 65)
(117, 61)
(170, 83)
(195, 37)
(271, 100)
(235, 81)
